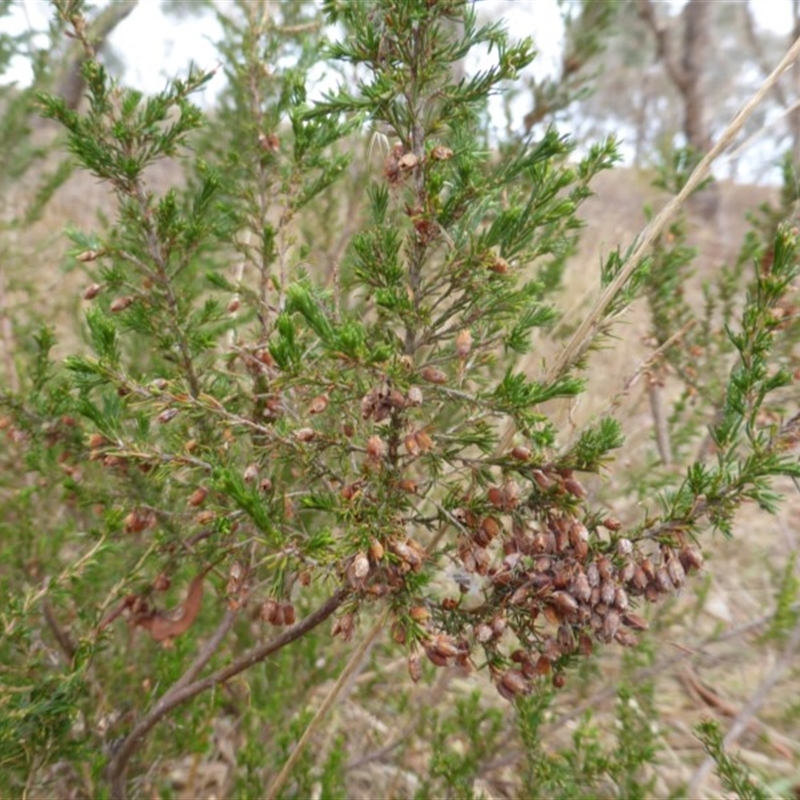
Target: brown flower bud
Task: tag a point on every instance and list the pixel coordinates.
(512, 684)
(463, 343)
(376, 550)
(120, 304)
(414, 396)
(521, 453)
(624, 548)
(676, 572)
(564, 603)
(376, 448)
(434, 375)
(162, 582)
(498, 265)
(484, 633)
(574, 488)
(690, 559)
(441, 153)
(580, 588)
(344, 627)
(360, 566)
(626, 638)
(611, 624)
(414, 667)
(305, 434)
(251, 473)
(318, 404)
(635, 621)
(543, 480)
(197, 497)
(166, 415)
(91, 291)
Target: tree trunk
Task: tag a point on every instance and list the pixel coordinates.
(70, 83)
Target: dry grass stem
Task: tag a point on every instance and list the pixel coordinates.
(350, 668)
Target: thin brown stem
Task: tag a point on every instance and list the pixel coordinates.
(184, 690)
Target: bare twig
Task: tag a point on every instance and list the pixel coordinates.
(184, 690)
(62, 637)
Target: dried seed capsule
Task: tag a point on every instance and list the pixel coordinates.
(564, 603)
(519, 596)
(605, 568)
(414, 667)
(414, 396)
(433, 375)
(495, 496)
(318, 404)
(638, 581)
(197, 497)
(607, 592)
(510, 495)
(345, 627)
(521, 453)
(376, 448)
(574, 488)
(288, 614)
(559, 680)
(250, 473)
(610, 626)
(268, 611)
(543, 542)
(305, 434)
(651, 593)
(690, 559)
(168, 414)
(624, 547)
(360, 566)
(565, 639)
(499, 625)
(612, 524)
(376, 550)
(593, 574)
(580, 588)
(662, 580)
(544, 481)
(627, 571)
(90, 292)
(484, 633)
(620, 599)
(626, 638)
(676, 572)
(512, 684)
(463, 343)
(635, 621)
(491, 527)
(579, 539)
(424, 441)
(120, 304)
(419, 614)
(543, 666)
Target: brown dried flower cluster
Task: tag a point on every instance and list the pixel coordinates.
(551, 586)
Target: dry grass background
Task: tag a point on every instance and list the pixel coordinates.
(709, 662)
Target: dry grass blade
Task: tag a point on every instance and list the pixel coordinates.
(583, 336)
(341, 681)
